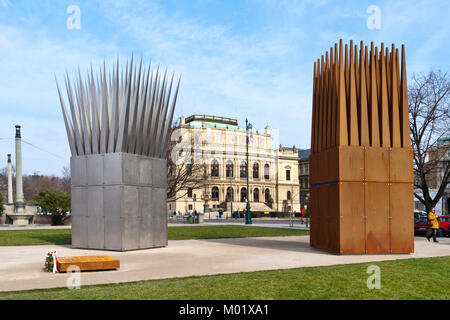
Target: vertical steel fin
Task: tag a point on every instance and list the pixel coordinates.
(404, 107)
(67, 122)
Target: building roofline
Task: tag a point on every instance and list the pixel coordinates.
(208, 118)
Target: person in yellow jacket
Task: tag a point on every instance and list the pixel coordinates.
(433, 225)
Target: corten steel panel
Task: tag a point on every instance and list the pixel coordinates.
(351, 163)
(376, 164)
(313, 168)
(314, 215)
(401, 165)
(333, 217)
(333, 164)
(402, 221)
(88, 263)
(352, 222)
(94, 165)
(323, 218)
(377, 217)
(322, 167)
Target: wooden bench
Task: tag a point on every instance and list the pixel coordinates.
(88, 263)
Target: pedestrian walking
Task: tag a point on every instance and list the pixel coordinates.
(433, 225)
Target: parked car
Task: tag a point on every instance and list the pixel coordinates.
(421, 225)
(444, 225)
(418, 214)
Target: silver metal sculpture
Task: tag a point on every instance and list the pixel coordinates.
(118, 127)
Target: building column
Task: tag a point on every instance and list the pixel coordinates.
(19, 185)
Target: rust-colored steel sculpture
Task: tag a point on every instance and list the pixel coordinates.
(361, 168)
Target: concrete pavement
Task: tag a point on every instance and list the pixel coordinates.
(218, 222)
(21, 267)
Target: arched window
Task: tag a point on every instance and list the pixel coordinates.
(243, 194)
(267, 195)
(243, 169)
(214, 168)
(266, 171)
(256, 195)
(215, 194)
(230, 194)
(289, 195)
(255, 170)
(229, 169)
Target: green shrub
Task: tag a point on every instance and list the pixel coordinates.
(2, 208)
(55, 202)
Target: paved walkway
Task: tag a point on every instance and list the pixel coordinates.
(21, 266)
(258, 223)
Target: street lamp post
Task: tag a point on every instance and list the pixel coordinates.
(248, 215)
(231, 193)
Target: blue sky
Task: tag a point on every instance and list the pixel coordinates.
(241, 59)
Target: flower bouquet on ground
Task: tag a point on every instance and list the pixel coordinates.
(51, 262)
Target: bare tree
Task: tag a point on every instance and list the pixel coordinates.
(182, 175)
(34, 183)
(65, 180)
(429, 109)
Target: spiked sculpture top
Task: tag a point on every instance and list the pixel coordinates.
(127, 111)
(355, 100)
(361, 159)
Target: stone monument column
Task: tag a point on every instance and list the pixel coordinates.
(10, 188)
(20, 205)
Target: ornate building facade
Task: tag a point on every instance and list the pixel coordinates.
(303, 171)
(220, 144)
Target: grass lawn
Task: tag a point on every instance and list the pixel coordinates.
(63, 236)
(400, 279)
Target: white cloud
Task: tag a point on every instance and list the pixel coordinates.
(29, 61)
(224, 73)
(4, 3)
